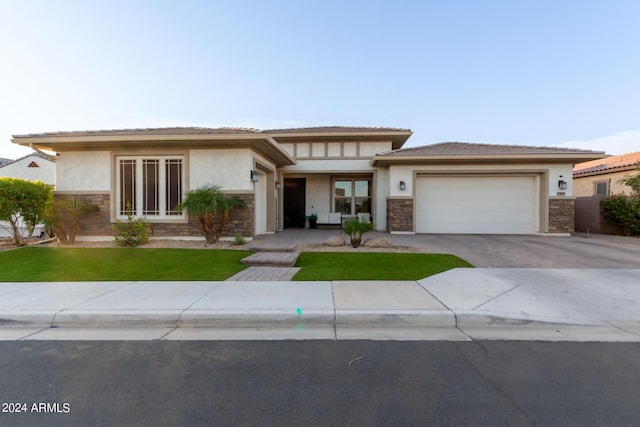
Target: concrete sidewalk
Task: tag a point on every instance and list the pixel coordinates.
(461, 304)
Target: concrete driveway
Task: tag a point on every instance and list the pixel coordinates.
(505, 251)
(502, 251)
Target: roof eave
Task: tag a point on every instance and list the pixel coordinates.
(384, 160)
(264, 144)
(626, 168)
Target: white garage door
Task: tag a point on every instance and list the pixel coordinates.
(476, 205)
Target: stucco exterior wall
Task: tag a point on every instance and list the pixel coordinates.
(381, 187)
(585, 186)
(83, 171)
(330, 165)
(318, 194)
(228, 168)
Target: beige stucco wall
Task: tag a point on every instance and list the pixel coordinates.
(83, 171)
(227, 168)
(584, 186)
(318, 194)
(329, 165)
(45, 172)
(382, 190)
(405, 173)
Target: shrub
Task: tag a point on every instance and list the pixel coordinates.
(623, 211)
(239, 240)
(23, 203)
(355, 229)
(63, 217)
(212, 207)
(133, 232)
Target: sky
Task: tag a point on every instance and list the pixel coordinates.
(546, 73)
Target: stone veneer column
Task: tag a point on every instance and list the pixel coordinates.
(400, 215)
(562, 215)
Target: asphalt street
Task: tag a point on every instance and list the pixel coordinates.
(173, 383)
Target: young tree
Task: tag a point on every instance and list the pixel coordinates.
(24, 203)
(212, 207)
(63, 217)
(633, 181)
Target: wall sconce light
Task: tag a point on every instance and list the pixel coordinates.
(255, 177)
(402, 185)
(562, 184)
(278, 185)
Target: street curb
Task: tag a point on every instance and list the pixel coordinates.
(254, 318)
(37, 319)
(396, 318)
(117, 318)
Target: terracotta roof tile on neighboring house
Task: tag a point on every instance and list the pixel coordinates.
(466, 148)
(609, 164)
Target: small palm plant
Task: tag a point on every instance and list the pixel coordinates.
(355, 229)
(212, 207)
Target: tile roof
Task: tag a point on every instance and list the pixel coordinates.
(209, 131)
(327, 129)
(6, 162)
(473, 149)
(626, 161)
(147, 131)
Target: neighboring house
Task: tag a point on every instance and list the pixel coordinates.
(284, 175)
(602, 177)
(32, 167)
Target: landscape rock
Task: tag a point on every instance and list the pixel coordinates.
(382, 242)
(334, 241)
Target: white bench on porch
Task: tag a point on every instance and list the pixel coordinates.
(329, 218)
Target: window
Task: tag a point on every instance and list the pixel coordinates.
(150, 187)
(601, 188)
(352, 196)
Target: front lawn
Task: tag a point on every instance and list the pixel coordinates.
(33, 264)
(38, 264)
(373, 266)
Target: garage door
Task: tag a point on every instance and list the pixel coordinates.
(476, 205)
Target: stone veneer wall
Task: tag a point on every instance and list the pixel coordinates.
(562, 215)
(241, 221)
(96, 223)
(399, 215)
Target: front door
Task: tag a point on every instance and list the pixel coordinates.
(294, 197)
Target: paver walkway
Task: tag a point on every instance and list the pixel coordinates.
(264, 274)
(269, 263)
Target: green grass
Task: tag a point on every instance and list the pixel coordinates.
(373, 266)
(88, 264)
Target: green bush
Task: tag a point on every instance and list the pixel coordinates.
(623, 211)
(133, 232)
(355, 229)
(239, 240)
(23, 204)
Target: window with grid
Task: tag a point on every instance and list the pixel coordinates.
(151, 187)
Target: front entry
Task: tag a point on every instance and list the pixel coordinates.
(293, 202)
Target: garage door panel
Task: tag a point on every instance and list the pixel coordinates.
(491, 205)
